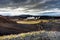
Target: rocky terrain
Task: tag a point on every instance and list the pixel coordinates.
(36, 35)
(8, 26)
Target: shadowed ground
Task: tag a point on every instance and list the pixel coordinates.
(10, 27)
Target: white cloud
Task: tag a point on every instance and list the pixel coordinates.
(19, 11)
(51, 10)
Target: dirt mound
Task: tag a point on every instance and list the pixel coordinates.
(5, 20)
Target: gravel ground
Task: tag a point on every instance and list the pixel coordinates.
(38, 35)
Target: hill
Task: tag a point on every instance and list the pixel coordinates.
(5, 20)
(10, 27)
(7, 26)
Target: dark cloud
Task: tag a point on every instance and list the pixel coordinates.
(48, 5)
(18, 1)
(31, 4)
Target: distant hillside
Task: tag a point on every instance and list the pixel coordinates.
(36, 16)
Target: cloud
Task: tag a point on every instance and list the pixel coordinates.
(29, 6)
(33, 4)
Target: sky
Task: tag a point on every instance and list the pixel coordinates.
(33, 7)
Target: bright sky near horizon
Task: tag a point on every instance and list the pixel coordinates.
(33, 7)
